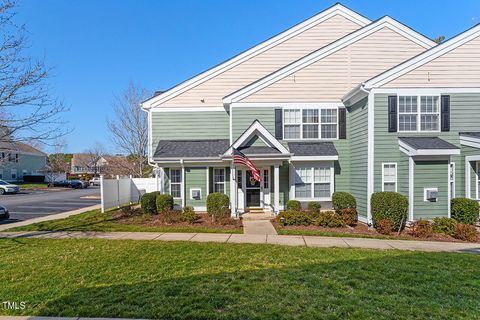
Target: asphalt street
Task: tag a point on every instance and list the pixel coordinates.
(30, 204)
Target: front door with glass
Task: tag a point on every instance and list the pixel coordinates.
(252, 191)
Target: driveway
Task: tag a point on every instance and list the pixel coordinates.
(37, 203)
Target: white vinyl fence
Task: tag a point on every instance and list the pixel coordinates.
(120, 191)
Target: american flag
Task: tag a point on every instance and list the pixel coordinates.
(240, 158)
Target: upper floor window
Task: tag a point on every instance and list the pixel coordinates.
(418, 113)
(310, 123)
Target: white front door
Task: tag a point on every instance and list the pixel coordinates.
(251, 193)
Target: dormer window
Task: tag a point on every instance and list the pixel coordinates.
(310, 123)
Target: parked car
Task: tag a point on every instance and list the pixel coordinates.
(4, 214)
(75, 184)
(61, 183)
(6, 187)
(78, 184)
(95, 181)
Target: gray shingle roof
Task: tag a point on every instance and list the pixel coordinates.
(312, 148)
(471, 134)
(427, 143)
(258, 150)
(191, 148)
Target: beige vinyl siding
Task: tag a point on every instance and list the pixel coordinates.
(457, 68)
(331, 77)
(213, 90)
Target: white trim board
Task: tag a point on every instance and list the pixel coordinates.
(256, 128)
(408, 150)
(326, 51)
(190, 109)
(336, 9)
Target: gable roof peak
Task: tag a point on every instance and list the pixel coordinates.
(336, 9)
(385, 21)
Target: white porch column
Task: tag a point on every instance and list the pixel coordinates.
(276, 188)
(233, 191)
(411, 187)
(183, 186)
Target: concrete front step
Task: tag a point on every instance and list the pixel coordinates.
(257, 216)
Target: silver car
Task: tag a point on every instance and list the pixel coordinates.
(6, 187)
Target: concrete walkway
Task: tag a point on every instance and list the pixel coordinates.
(47, 218)
(302, 241)
(263, 227)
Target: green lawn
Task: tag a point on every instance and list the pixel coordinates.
(299, 232)
(39, 185)
(178, 280)
(96, 221)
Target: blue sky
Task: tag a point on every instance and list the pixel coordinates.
(97, 47)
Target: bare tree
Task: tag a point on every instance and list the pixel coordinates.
(57, 162)
(93, 158)
(128, 130)
(27, 110)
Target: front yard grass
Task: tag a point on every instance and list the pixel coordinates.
(38, 185)
(180, 280)
(107, 222)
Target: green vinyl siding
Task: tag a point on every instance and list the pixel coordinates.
(358, 155)
(470, 151)
(284, 190)
(464, 115)
(189, 125)
(196, 178)
(242, 118)
(430, 174)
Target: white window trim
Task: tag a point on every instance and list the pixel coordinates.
(221, 182)
(312, 166)
(477, 180)
(317, 107)
(451, 170)
(425, 193)
(383, 175)
(180, 183)
(195, 189)
(418, 113)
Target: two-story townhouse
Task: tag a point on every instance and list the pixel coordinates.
(18, 159)
(302, 106)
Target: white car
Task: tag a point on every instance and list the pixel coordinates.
(6, 187)
(95, 181)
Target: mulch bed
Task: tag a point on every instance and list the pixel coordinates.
(136, 217)
(363, 229)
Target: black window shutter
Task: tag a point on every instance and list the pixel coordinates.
(342, 123)
(278, 124)
(445, 111)
(392, 113)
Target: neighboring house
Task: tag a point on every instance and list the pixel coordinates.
(336, 103)
(83, 163)
(18, 159)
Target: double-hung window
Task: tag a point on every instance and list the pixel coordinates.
(329, 123)
(292, 123)
(176, 183)
(310, 123)
(412, 117)
(389, 177)
(313, 182)
(219, 180)
(322, 182)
